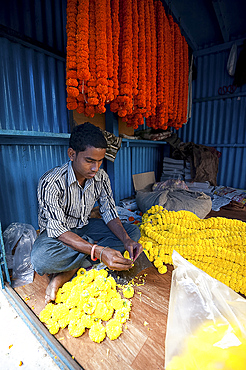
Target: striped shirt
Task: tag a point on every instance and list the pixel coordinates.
(64, 204)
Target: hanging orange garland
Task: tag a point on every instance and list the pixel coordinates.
(110, 67)
(130, 54)
(148, 60)
(101, 54)
(71, 65)
(115, 50)
(171, 75)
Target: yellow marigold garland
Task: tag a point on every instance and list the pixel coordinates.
(216, 245)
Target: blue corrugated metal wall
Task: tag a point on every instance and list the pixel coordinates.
(33, 117)
(136, 156)
(219, 121)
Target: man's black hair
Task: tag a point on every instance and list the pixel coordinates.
(86, 135)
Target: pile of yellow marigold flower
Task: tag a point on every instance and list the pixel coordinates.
(216, 245)
(87, 301)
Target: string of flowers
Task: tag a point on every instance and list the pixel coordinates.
(101, 54)
(153, 57)
(115, 47)
(185, 81)
(88, 90)
(160, 63)
(177, 71)
(124, 98)
(171, 66)
(71, 65)
(110, 94)
(148, 60)
(135, 31)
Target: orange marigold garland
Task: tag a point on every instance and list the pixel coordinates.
(177, 47)
(171, 64)
(124, 98)
(110, 67)
(83, 72)
(101, 54)
(92, 95)
(148, 60)
(186, 81)
(153, 57)
(115, 45)
(160, 64)
(71, 65)
(135, 31)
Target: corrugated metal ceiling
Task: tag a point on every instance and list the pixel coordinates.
(207, 23)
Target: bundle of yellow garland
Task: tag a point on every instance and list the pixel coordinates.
(87, 301)
(216, 245)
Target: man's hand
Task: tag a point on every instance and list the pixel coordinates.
(114, 260)
(134, 248)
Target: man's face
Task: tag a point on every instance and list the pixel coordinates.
(86, 164)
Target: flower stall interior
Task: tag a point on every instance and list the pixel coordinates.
(126, 66)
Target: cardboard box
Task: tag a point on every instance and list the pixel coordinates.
(143, 181)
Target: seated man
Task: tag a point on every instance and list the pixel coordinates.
(66, 196)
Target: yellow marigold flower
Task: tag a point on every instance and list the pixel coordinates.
(63, 322)
(60, 310)
(126, 255)
(108, 314)
(53, 326)
(59, 296)
(100, 282)
(122, 315)
(112, 282)
(90, 306)
(147, 254)
(76, 328)
(75, 314)
(97, 332)
(81, 271)
(89, 276)
(46, 313)
(113, 329)
(162, 269)
(116, 303)
(101, 310)
(67, 287)
(87, 321)
(73, 300)
(128, 292)
(158, 262)
(127, 304)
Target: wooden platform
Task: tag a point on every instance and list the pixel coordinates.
(139, 346)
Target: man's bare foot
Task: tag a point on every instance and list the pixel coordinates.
(57, 280)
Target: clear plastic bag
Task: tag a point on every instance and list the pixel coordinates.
(18, 240)
(206, 327)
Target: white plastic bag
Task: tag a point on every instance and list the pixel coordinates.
(206, 327)
(18, 240)
(232, 60)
